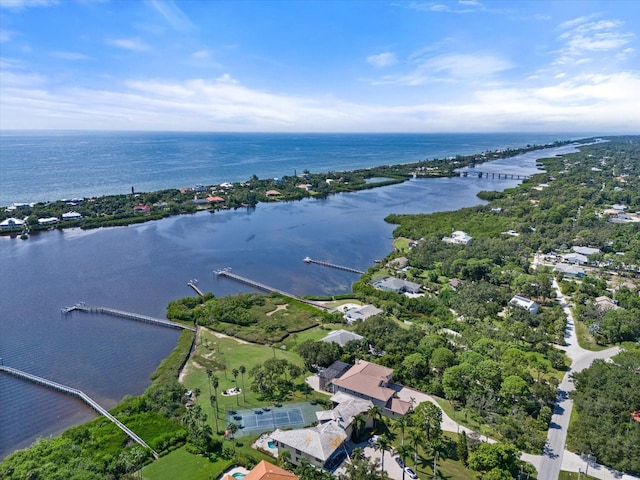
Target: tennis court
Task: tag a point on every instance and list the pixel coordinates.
(269, 418)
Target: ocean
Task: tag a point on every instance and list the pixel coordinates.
(50, 166)
(141, 268)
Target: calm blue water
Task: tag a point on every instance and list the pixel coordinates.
(141, 268)
(41, 167)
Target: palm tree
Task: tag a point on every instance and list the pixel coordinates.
(215, 382)
(235, 372)
(358, 423)
(402, 423)
(232, 428)
(284, 456)
(382, 443)
(416, 437)
(242, 370)
(436, 446)
(404, 451)
(197, 392)
(213, 400)
(209, 375)
(375, 412)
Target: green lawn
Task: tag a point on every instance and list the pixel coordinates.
(217, 352)
(574, 476)
(585, 340)
(182, 465)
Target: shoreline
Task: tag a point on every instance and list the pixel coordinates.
(21, 219)
(371, 186)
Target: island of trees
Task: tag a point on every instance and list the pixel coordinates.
(491, 365)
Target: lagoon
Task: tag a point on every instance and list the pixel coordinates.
(141, 268)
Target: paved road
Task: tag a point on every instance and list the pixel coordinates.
(552, 460)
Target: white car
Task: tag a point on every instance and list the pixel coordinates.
(410, 473)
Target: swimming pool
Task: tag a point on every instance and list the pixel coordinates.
(239, 476)
(271, 444)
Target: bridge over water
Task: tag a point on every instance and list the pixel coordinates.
(492, 175)
(74, 392)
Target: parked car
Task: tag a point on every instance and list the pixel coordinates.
(373, 439)
(400, 462)
(410, 473)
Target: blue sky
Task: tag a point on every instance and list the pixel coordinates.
(321, 66)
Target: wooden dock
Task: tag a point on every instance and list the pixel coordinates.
(333, 265)
(226, 272)
(128, 315)
(74, 392)
(194, 284)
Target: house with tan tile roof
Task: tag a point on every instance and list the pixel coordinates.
(266, 471)
(372, 382)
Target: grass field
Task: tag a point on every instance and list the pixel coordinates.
(182, 465)
(223, 355)
(585, 340)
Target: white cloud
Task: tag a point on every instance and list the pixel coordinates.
(468, 65)
(603, 103)
(385, 59)
(173, 14)
(70, 55)
(20, 4)
(585, 37)
(6, 35)
(201, 55)
(448, 68)
(133, 44)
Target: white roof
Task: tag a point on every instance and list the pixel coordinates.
(319, 442)
(12, 222)
(585, 250)
(341, 337)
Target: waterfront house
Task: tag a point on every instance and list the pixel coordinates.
(397, 285)
(372, 382)
(142, 209)
(341, 337)
(525, 303)
(11, 223)
(48, 220)
(215, 199)
(458, 238)
(272, 193)
(71, 216)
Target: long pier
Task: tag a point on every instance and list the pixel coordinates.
(332, 265)
(128, 315)
(194, 284)
(226, 272)
(74, 392)
(500, 175)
